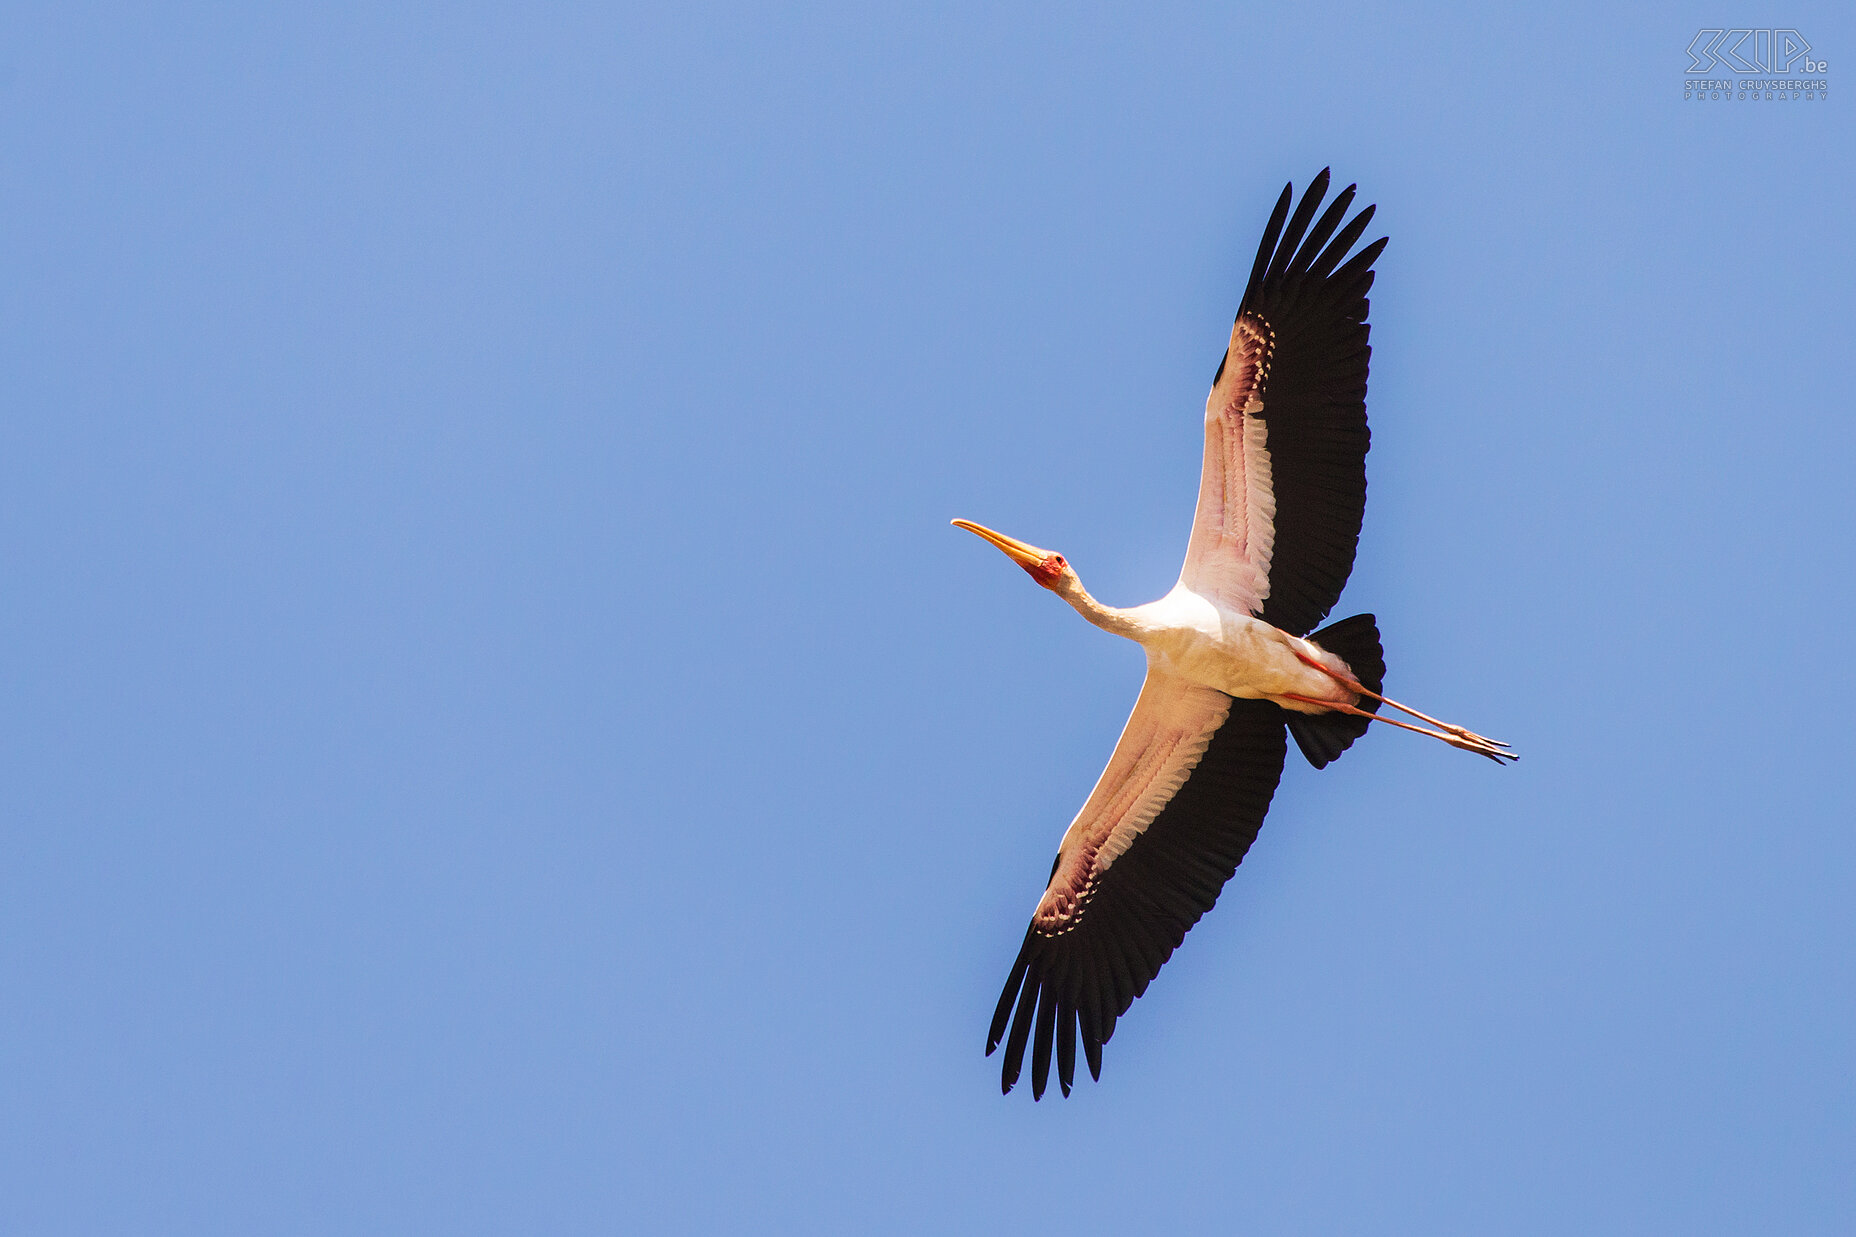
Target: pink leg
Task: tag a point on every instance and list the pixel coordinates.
(1455, 736)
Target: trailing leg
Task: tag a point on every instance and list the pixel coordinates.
(1456, 736)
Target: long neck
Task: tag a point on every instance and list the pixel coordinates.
(1108, 618)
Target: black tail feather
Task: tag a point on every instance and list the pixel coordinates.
(1324, 736)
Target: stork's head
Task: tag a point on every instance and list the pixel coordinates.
(1047, 567)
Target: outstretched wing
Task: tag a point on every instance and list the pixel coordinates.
(1165, 827)
(1283, 485)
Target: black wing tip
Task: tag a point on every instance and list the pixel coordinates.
(1047, 1026)
(1043, 1040)
(1285, 251)
(1040, 1079)
(1291, 240)
(1002, 1013)
(1317, 183)
(1266, 248)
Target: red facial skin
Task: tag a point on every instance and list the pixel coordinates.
(1048, 570)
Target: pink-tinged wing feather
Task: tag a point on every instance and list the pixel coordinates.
(1234, 528)
(1167, 733)
(1164, 829)
(1284, 486)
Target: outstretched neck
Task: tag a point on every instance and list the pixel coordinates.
(1108, 618)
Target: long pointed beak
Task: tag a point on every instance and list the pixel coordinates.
(1021, 552)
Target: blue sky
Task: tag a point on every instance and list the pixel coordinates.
(499, 737)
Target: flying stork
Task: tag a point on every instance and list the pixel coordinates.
(1231, 661)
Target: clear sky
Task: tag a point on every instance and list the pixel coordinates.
(498, 737)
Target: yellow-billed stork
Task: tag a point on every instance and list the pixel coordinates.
(1231, 662)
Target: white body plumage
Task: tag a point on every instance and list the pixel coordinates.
(1195, 639)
